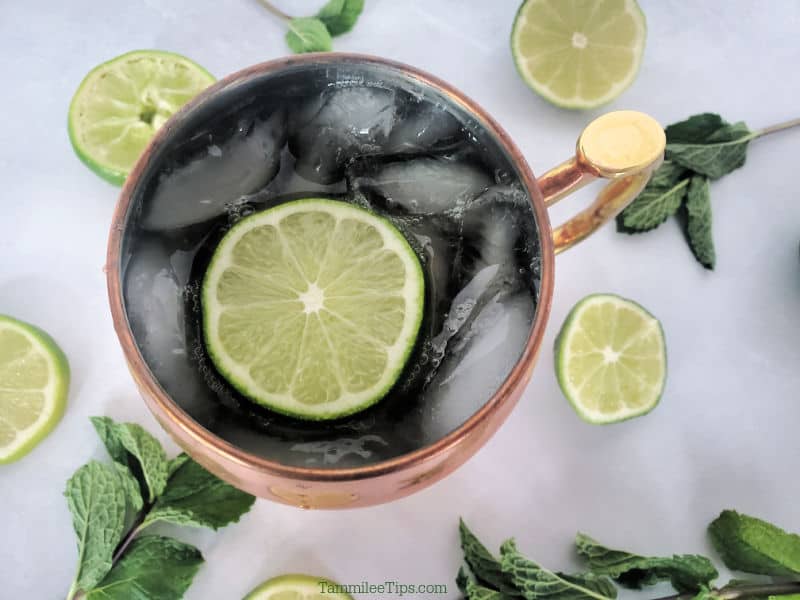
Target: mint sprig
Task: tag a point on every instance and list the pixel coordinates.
(112, 504)
(744, 543)
(315, 33)
(704, 147)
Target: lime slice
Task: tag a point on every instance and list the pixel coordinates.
(121, 103)
(298, 587)
(611, 361)
(578, 53)
(34, 377)
(312, 308)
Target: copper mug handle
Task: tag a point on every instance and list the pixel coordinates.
(623, 146)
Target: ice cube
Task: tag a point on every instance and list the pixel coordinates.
(351, 121)
(495, 226)
(462, 307)
(289, 181)
(477, 362)
(423, 186)
(422, 127)
(221, 175)
(154, 299)
(332, 451)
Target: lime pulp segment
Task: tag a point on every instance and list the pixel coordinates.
(298, 587)
(34, 377)
(312, 308)
(121, 103)
(578, 53)
(611, 359)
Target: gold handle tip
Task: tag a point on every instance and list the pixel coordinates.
(621, 143)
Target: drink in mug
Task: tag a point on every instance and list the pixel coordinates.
(399, 151)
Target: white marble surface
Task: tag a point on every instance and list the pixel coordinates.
(725, 434)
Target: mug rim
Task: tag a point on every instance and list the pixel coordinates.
(178, 417)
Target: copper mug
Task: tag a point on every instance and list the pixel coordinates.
(624, 147)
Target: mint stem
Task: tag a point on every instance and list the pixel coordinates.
(136, 527)
(765, 589)
(740, 592)
(72, 594)
(275, 11)
(776, 128)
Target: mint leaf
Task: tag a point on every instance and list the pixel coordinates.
(308, 34)
(698, 226)
(176, 463)
(537, 583)
(152, 567)
(472, 590)
(659, 200)
(197, 498)
(131, 486)
(687, 573)
(694, 130)
(484, 566)
(724, 151)
(475, 591)
(667, 175)
(129, 444)
(96, 499)
(105, 428)
(148, 453)
(339, 16)
(749, 544)
(461, 579)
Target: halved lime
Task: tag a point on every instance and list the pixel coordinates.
(121, 103)
(312, 308)
(578, 53)
(34, 377)
(611, 360)
(298, 587)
